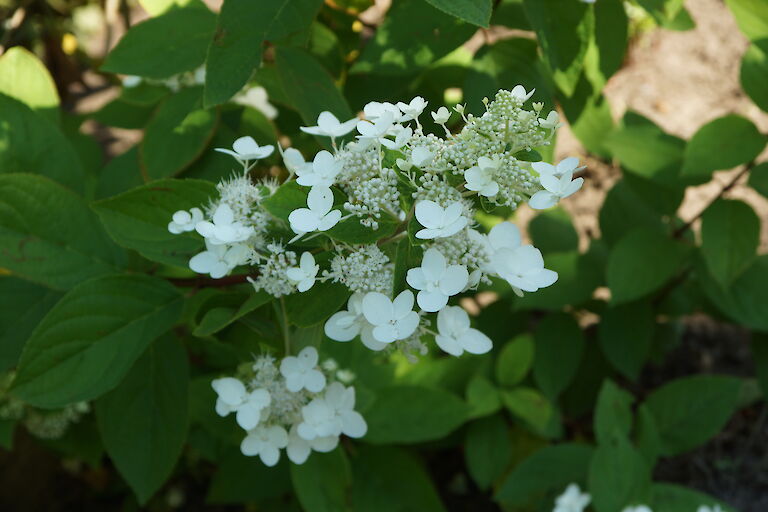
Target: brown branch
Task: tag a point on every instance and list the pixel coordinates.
(685, 227)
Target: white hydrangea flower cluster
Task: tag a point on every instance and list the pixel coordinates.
(420, 186)
(297, 405)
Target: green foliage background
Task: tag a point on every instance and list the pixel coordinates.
(96, 302)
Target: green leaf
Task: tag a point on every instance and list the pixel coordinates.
(610, 40)
(322, 482)
(89, 340)
(31, 143)
(530, 406)
(758, 178)
(49, 235)
(752, 17)
(644, 149)
(662, 11)
(552, 231)
(22, 306)
(316, 305)
(690, 410)
(624, 209)
(618, 475)
(217, 318)
(180, 124)
(642, 261)
(514, 360)
(121, 173)
(240, 479)
(589, 115)
(24, 78)
(166, 45)
(482, 396)
(413, 414)
(377, 488)
(7, 428)
(143, 421)
(746, 299)
(138, 219)
(754, 73)
(309, 86)
(476, 12)
(613, 414)
(413, 36)
(559, 348)
(235, 50)
(543, 475)
(730, 234)
(564, 29)
(722, 144)
(625, 333)
(487, 450)
(676, 498)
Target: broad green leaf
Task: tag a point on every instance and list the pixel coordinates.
(690, 410)
(647, 435)
(160, 47)
(122, 173)
(482, 396)
(589, 115)
(413, 414)
(662, 198)
(487, 449)
(618, 475)
(752, 17)
(119, 113)
(758, 178)
(624, 209)
(515, 360)
(242, 28)
(559, 348)
(610, 40)
(179, 124)
(746, 299)
(625, 333)
(552, 231)
(322, 482)
(530, 406)
(661, 156)
(24, 78)
(511, 14)
(22, 306)
(613, 413)
(413, 36)
(730, 234)
(89, 340)
(641, 262)
(316, 305)
(754, 72)
(676, 498)
(240, 479)
(218, 317)
(49, 235)
(143, 421)
(544, 475)
(309, 86)
(379, 487)
(722, 144)
(564, 29)
(30, 143)
(477, 12)
(504, 65)
(138, 219)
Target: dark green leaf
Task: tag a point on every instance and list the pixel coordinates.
(613, 414)
(316, 305)
(121, 173)
(482, 396)
(411, 414)
(589, 115)
(690, 410)
(559, 347)
(89, 340)
(552, 231)
(241, 479)
(515, 360)
(730, 234)
(746, 299)
(722, 144)
(530, 406)
(642, 261)
(49, 235)
(676, 498)
(160, 47)
(618, 475)
(625, 334)
(754, 73)
(217, 318)
(487, 449)
(143, 421)
(758, 178)
(138, 219)
(623, 209)
(177, 135)
(477, 12)
(322, 482)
